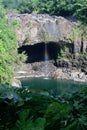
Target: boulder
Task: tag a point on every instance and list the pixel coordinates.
(16, 83)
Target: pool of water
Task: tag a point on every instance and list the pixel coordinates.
(52, 86)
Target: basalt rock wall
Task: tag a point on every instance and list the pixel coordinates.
(35, 30)
(38, 28)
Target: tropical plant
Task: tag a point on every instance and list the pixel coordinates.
(21, 109)
(8, 49)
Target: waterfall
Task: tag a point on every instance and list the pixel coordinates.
(46, 53)
(46, 58)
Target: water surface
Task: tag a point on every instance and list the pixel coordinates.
(52, 86)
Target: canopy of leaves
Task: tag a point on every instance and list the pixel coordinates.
(52, 7)
(80, 8)
(21, 109)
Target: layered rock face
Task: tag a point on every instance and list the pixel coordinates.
(37, 28)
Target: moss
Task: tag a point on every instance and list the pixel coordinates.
(63, 58)
(85, 55)
(15, 23)
(43, 37)
(79, 31)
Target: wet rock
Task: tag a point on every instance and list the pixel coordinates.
(16, 83)
(37, 69)
(63, 73)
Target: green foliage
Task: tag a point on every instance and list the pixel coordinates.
(21, 109)
(81, 10)
(10, 3)
(7, 49)
(27, 123)
(25, 6)
(15, 23)
(1, 10)
(21, 58)
(52, 7)
(56, 115)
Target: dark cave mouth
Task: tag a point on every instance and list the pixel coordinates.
(44, 51)
(40, 52)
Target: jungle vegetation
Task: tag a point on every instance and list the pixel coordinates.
(20, 109)
(8, 48)
(8, 45)
(77, 8)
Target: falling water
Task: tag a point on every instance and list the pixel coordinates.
(46, 53)
(46, 58)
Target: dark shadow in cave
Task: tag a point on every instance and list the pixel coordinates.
(36, 52)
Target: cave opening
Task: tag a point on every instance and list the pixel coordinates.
(53, 50)
(36, 52)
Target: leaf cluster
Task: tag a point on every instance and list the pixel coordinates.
(8, 47)
(21, 109)
(77, 8)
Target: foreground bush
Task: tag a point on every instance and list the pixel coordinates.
(21, 109)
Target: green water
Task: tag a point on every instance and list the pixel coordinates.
(52, 86)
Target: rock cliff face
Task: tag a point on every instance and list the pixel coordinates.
(41, 28)
(35, 29)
